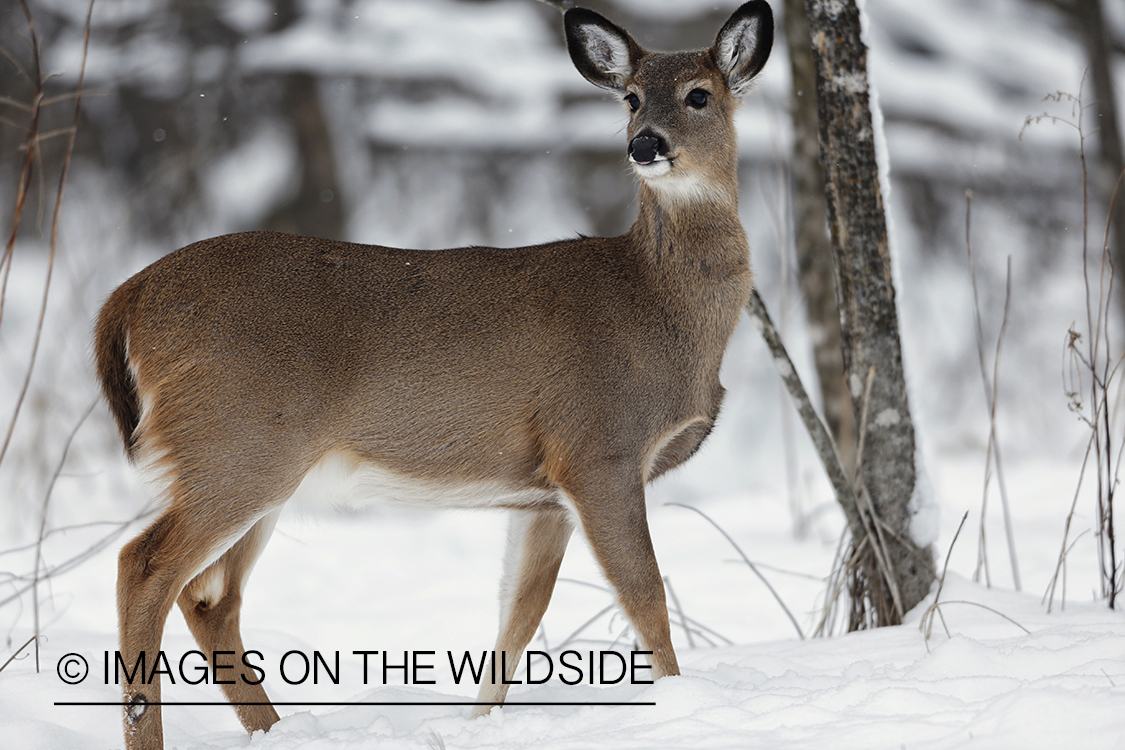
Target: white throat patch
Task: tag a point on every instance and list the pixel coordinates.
(678, 188)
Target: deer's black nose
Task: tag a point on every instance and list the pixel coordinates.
(646, 147)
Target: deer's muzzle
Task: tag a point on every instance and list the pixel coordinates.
(647, 147)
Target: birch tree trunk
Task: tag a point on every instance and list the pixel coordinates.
(894, 573)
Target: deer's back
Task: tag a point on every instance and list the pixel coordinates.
(471, 360)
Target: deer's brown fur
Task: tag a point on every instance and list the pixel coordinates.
(555, 380)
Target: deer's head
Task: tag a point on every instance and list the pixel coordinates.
(681, 104)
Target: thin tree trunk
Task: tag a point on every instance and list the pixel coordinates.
(869, 317)
(1093, 30)
(317, 209)
(811, 239)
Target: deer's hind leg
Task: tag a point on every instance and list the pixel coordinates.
(537, 540)
(211, 604)
(207, 522)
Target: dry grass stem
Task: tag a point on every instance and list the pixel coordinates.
(19, 651)
(751, 565)
(1088, 374)
(43, 525)
(991, 396)
(985, 607)
(927, 622)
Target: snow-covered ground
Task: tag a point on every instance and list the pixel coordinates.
(395, 581)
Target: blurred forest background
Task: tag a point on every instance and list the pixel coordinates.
(435, 123)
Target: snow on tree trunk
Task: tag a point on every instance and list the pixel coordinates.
(892, 582)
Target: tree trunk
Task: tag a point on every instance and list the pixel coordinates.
(1093, 30)
(896, 580)
(810, 237)
(317, 209)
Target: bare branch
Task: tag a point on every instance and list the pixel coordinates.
(16, 103)
(54, 227)
(991, 397)
(822, 441)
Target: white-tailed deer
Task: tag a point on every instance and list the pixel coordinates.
(553, 380)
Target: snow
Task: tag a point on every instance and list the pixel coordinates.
(403, 580)
(399, 580)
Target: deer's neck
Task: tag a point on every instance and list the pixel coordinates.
(698, 233)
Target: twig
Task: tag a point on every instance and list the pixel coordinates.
(1102, 369)
(846, 494)
(782, 571)
(43, 524)
(702, 631)
(54, 225)
(982, 541)
(699, 627)
(571, 638)
(81, 557)
(18, 651)
(754, 568)
(836, 583)
(927, 622)
(27, 169)
(61, 530)
(1008, 527)
(1049, 596)
(16, 64)
(837, 579)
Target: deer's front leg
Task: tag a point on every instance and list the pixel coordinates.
(615, 523)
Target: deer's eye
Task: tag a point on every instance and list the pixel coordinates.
(697, 98)
(634, 102)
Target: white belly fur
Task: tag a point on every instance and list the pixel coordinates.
(340, 481)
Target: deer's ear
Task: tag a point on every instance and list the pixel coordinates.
(604, 53)
(743, 45)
